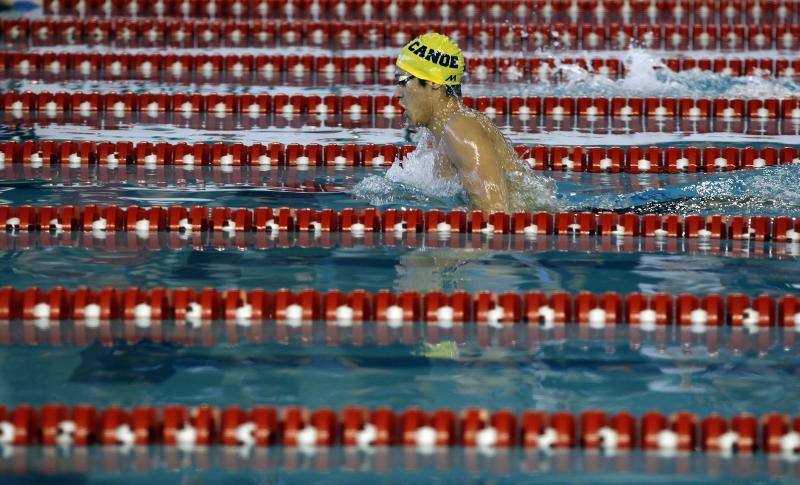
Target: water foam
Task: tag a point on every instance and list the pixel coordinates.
(416, 180)
(645, 76)
(767, 191)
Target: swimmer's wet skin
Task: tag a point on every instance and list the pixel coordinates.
(468, 144)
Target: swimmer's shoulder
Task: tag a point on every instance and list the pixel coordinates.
(464, 138)
(465, 126)
(460, 133)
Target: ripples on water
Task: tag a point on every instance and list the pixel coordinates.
(572, 376)
(770, 191)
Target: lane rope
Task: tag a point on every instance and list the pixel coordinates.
(358, 222)
(93, 309)
(634, 159)
(413, 428)
(379, 34)
(540, 11)
(268, 68)
(86, 104)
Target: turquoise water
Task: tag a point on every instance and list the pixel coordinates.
(423, 268)
(573, 375)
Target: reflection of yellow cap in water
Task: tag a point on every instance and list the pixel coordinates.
(434, 58)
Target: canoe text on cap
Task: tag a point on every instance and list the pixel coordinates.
(432, 55)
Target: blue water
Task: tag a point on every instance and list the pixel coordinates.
(572, 375)
(732, 374)
(424, 268)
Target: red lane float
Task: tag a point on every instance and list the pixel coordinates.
(728, 13)
(523, 236)
(92, 218)
(200, 308)
(390, 118)
(263, 68)
(189, 428)
(634, 159)
(208, 33)
(357, 221)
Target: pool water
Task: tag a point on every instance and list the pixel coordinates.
(755, 374)
(573, 375)
(425, 267)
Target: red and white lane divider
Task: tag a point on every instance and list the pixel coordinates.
(527, 321)
(221, 105)
(221, 155)
(556, 158)
(359, 222)
(266, 68)
(515, 124)
(198, 309)
(540, 11)
(22, 33)
(262, 68)
(300, 427)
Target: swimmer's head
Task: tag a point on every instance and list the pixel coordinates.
(429, 70)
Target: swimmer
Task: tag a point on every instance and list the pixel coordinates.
(468, 145)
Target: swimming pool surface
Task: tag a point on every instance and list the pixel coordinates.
(726, 371)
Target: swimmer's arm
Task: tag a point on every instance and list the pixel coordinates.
(470, 152)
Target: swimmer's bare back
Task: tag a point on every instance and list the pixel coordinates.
(481, 156)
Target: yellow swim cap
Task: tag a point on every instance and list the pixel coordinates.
(434, 58)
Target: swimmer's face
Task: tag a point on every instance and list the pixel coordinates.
(416, 99)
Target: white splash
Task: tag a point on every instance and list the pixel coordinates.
(647, 76)
(416, 173)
